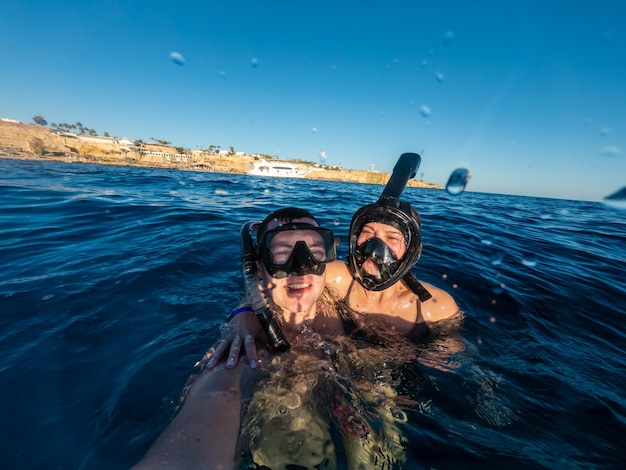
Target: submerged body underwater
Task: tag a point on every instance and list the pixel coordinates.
(116, 281)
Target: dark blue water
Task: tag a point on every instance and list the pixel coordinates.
(115, 279)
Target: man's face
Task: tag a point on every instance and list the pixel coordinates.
(392, 237)
(294, 293)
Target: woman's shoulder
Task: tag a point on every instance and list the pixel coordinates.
(440, 306)
(338, 276)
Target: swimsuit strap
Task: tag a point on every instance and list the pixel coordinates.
(346, 297)
(420, 329)
(346, 314)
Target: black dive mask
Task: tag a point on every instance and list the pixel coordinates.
(301, 249)
(378, 252)
(390, 268)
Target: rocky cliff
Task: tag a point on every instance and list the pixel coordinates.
(28, 141)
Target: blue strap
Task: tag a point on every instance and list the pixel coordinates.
(237, 311)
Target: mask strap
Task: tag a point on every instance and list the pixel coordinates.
(417, 287)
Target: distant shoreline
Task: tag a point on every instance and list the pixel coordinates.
(17, 140)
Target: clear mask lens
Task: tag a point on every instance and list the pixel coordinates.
(296, 250)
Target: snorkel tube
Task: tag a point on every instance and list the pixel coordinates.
(259, 304)
(390, 210)
(405, 169)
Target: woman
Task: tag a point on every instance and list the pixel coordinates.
(385, 243)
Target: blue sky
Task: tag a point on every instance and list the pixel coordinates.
(531, 96)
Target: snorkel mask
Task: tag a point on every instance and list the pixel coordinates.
(313, 248)
(388, 210)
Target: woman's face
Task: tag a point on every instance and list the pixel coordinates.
(295, 293)
(392, 237)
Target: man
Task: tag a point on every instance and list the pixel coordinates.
(293, 252)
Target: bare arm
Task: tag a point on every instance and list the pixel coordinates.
(205, 431)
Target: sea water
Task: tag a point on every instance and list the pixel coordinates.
(115, 280)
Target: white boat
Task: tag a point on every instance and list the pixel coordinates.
(279, 169)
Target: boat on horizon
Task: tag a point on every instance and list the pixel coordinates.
(276, 169)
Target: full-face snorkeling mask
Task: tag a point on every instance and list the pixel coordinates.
(401, 216)
(391, 211)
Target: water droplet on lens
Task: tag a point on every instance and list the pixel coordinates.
(255, 62)
(323, 156)
(424, 111)
(496, 258)
(222, 74)
(605, 131)
(617, 199)
(458, 181)
(529, 259)
(177, 58)
(439, 76)
(499, 289)
(448, 37)
(314, 130)
(610, 151)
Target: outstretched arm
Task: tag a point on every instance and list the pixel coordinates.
(204, 433)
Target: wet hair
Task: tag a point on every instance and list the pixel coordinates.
(284, 215)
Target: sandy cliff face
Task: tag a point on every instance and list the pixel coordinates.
(16, 137)
(16, 142)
